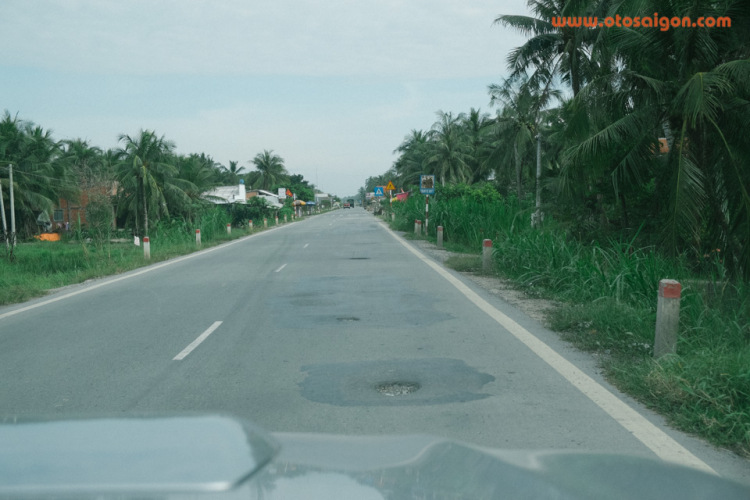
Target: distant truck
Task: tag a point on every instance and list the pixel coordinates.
(349, 203)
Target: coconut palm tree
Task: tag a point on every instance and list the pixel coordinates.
(147, 177)
(563, 51)
(409, 165)
(447, 151)
(476, 128)
(40, 177)
(269, 170)
(86, 161)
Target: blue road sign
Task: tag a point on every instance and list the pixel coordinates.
(379, 191)
(427, 184)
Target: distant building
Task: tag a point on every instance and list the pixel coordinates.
(223, 195)
(69, 211)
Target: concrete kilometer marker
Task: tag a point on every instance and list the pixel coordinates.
(229, 229)
(146, 248)
(198, 237)
(667, 317)
(440, 236)
(487, 256)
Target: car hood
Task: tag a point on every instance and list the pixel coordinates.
(209, 456)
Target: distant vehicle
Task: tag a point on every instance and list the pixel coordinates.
(347, 205)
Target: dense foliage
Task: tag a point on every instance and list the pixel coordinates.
(580, 118)
(152, 184)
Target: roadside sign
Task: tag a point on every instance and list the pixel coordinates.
(427, 184)
(282, 194)
(378, 191)
(390, 186)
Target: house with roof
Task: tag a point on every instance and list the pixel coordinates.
(223, 195)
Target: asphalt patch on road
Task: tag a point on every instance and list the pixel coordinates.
(319, 301)
(407, 382)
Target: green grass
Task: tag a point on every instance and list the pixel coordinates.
(608, 293)
(42, 266)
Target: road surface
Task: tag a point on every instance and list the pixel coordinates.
(313, 327)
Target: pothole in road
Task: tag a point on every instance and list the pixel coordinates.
(397, 388)
(348, 318)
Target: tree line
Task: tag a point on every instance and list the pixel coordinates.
(150, 181)
(612, 131)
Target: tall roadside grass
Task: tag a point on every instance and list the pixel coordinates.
(608, 290)
(41, 266)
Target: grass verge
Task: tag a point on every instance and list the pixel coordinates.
(43, 266)
(608, 294)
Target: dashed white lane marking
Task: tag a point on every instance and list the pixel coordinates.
(195, 343)
(279, 269)
(306, 244)
(647, 433)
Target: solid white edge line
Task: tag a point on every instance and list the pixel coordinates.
(147, 269)
(279, 269)
(647, 433)
(195, 343)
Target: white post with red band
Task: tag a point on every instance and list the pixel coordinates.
(284, 218)
(667, 317)
(426, 213)
(418, 231)
(146, 248)
(250, 224)
(229, 229)
(198, 237)
(487, 256)
(393, 216)
(265, 222)
(440, 236)
(277, 220)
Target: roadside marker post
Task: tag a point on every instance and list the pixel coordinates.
(265, 222)
(487, 256)
(284, 218)
(667, 317)
(229, 229)
(419, 227)
(426, 213)
(146, 248)
(250, 224)
(393, 216)
(198, 237)
(277, 220)
(440, 236)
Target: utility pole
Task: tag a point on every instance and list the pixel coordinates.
(12, 213)
(538, 215)
(5, 223)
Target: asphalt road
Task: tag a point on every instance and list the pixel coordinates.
(296, 329)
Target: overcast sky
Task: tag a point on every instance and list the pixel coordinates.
(332, 86)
